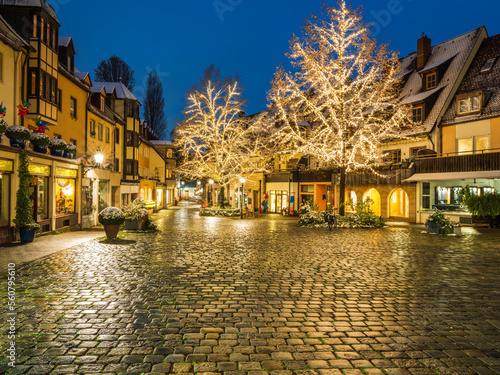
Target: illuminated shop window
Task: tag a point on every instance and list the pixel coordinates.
(65, 196)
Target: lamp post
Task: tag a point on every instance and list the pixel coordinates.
(211, 182)
(242, 180)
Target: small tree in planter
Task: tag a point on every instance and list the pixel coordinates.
(39, 142)
(70, 151)
(24, 222)
(437, 223)
(136, 215)
(111, 218)
(57, 146)
(18, 136)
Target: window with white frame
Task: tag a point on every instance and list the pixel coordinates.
(469, 104)
(473, 144)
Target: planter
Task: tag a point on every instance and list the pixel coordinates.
(111, 231)
(68, 155)
(457, 230)
(433, 227)
(40, 149)
(56, 152)
(19, 143)
(27, 235)
(135, 224)
(1, 137)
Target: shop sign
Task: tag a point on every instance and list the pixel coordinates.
(39, 169)
(62, 172)
(6, 165)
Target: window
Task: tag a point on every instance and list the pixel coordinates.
(470, 104)
(417, 114)
(414, 151)
(92, 128)
(4, 200)
(42, 83)
(33, 82)
(130, 110)
(59, 99)
(488, 65)
(54, 39)
(430, 81)
(99, 131)
(426, 195)
(35, 26)
(54, 90)
(1, 67)
(393, 156)
(57, 136)
(107, 135)
(307, 188)
(482, 143)
(72, 107)
(65, 196)
(117, 165)
(42, 28)
(130, 139)
(48, 85)
(117, 135)
(103, 102)
(465, 145)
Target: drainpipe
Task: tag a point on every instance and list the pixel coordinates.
(430, 139)
(23, 80)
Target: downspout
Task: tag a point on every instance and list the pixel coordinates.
(86, 121)
(429, 136)
(23, 80)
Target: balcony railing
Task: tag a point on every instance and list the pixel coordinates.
(484, 161)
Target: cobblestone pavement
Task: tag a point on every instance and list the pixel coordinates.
(236, 297)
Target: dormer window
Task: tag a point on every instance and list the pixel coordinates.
(471, 103)
(103, 101)
(488, 65)
(417, 114)
(430, 80)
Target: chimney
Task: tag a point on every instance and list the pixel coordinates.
(423, 51)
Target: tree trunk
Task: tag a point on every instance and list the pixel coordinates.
(221, 197)
(342, 192)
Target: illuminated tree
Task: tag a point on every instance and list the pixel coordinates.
(215, 140)
(342, 101)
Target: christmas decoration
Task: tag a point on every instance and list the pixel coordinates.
(40, 126)
(3, 110)
(24, 108)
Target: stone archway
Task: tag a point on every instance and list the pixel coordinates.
(399, 205)
(375, 201)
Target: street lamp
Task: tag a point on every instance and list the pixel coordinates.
(211, 182)
(98, 160)
(242, 180)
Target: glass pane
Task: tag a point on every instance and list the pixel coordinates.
(103, 195)
(43, 198)
(65, 196)
(463, 105)
(465, 145)
(482, 143)
(475, 103)
(4, 200)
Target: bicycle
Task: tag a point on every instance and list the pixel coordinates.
(331, 219)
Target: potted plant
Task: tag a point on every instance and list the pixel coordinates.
(111, 218)
(437, 223)
(136, 215)
(57, 146)
(70, 151)
(39, 142)
(3, 127)
(18, 136)
(24, 222)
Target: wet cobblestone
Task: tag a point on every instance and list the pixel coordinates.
(249, 297)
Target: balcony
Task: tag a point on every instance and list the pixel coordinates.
(478, 162)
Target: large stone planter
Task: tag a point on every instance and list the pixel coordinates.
(135, 224)
(111, 231)
(19, 143)
(40, 149)
(27, 235)
(433, 227)
(56, 152)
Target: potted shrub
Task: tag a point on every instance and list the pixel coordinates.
(111, 218)
(18, 136)
(57, 146)
(3, 127)
(24, 222)
(136, 215)
(70, 151)
(39, 142)
(437, 223)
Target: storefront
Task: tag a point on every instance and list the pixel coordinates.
(65, 197)
(6, 169)
(40, 195)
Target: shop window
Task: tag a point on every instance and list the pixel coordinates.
(375, 202)
(4, 200)
(426, 195)
(65, 196)
(307, 188)
(39, 192)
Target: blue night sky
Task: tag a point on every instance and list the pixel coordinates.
(249, 37)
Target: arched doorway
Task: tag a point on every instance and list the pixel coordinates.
(399, 204)
(375, 202)
(351, 199)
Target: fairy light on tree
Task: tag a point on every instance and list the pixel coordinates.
(343, 99)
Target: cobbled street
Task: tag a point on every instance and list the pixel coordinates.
(260, 296)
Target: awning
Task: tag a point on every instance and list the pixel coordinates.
(453, 176)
